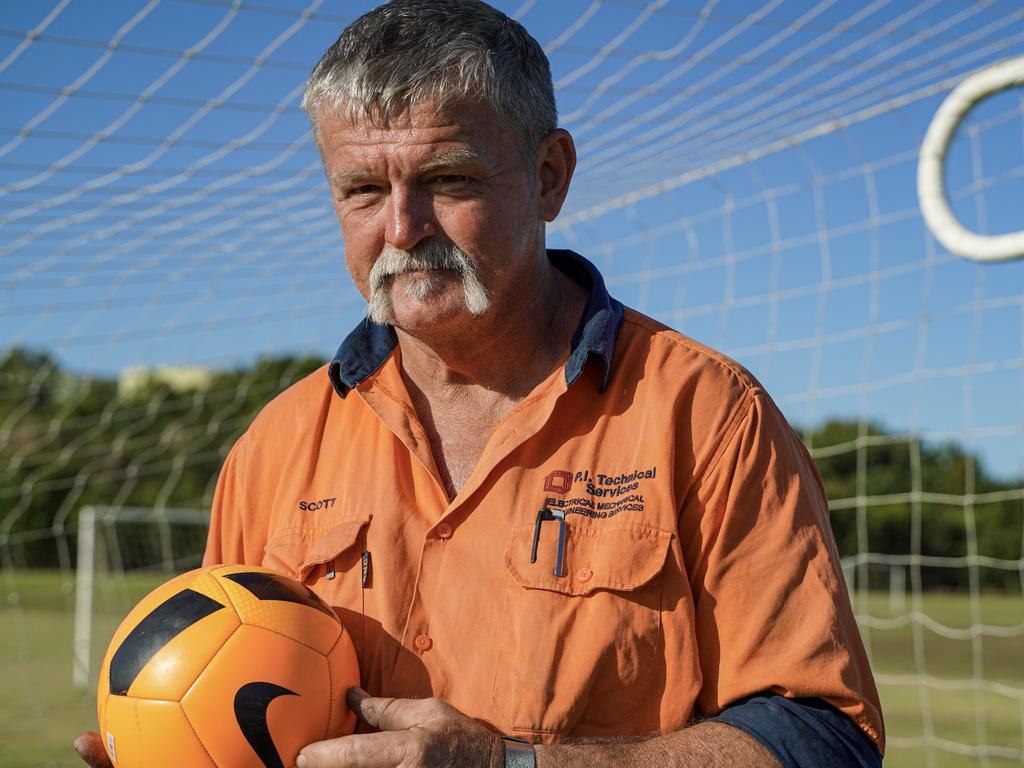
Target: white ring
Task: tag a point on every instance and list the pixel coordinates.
(931, 186)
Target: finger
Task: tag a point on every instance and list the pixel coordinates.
(394, 714)
(386, 749)
(89, 747)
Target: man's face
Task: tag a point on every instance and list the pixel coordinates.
(439, 213)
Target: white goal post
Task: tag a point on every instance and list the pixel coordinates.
(98, 531)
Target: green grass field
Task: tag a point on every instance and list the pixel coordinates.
(40, 711)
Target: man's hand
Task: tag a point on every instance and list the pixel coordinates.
(414, 733)
(89, 747)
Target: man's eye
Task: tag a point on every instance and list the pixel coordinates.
(363, 189)
(450, 179)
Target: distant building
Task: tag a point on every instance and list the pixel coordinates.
(180, 378)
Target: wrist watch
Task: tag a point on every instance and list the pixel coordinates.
(519, 753)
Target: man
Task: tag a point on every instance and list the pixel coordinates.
(540, 515)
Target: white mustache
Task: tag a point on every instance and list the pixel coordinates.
(426, 257)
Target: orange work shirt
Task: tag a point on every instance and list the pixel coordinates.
(643, 541)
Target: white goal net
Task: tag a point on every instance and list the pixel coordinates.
(748, 175)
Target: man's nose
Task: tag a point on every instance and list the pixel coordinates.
(410, 218)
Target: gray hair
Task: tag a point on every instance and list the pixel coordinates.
(408, 51)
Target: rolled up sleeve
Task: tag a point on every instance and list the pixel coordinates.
(772, 611)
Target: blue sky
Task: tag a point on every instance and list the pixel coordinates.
(746, 175)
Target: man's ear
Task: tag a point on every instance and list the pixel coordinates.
(556, 161)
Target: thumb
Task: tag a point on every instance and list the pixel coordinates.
(388, 714)
(89, 747)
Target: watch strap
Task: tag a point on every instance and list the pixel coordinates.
(519, 753)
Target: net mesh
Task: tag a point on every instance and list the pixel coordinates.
(171, 261)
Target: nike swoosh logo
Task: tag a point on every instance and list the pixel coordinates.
(251, 702)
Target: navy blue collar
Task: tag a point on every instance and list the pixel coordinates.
(369, 345)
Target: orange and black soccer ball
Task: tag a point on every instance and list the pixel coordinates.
(230, 666)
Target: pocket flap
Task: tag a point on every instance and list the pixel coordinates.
(306, 548)
(620, 557)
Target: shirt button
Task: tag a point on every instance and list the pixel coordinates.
(423, 643)
(584, 574)
(444, 531)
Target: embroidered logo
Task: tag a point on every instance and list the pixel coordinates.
(598, 495)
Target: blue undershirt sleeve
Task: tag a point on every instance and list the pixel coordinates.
(802, 733)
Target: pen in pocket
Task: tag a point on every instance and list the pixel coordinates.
(366, 565)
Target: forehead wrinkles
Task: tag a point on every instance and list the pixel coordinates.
(414, 133)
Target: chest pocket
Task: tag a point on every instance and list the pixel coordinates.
(305, 553)
(580, 646)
